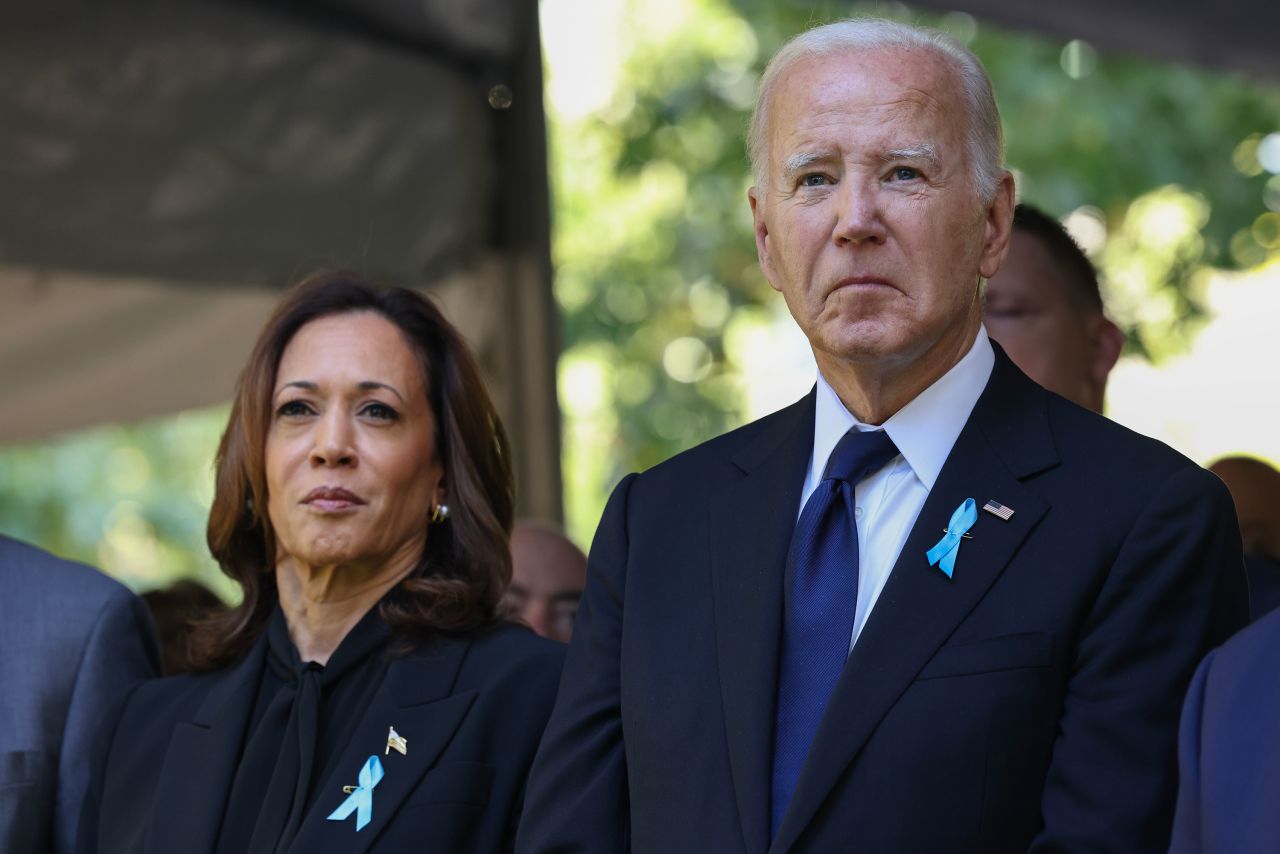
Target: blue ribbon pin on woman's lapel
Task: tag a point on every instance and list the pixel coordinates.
(360, 798)
(943, 554)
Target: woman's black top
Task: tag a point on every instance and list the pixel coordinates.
(303, 715)
(255, 757)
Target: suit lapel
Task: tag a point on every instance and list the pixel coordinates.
(751, 523)
(416, 698)
(1006, 439)
(200, 764)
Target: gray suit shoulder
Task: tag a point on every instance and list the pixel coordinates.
(26, 570)
(1252, 650)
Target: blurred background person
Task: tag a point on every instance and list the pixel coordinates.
(1255, 488)
(72, 641)
(548, 573)
(175, 610)
(363, 503)
(1044, 308)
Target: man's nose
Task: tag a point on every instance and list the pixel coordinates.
(334, 445)
(858, 215)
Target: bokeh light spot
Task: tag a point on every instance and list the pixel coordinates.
(1269, 153)
(1078, 59)
(1245, 156)
(128, 470)
(686, 360)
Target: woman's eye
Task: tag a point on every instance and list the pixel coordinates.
(294, 408)
(905, 173)
(380, 411)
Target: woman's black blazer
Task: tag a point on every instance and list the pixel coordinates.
(472, 709)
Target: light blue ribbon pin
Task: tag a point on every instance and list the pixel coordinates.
(943, 555)
(360, 801)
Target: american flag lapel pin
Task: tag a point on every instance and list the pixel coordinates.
(995, 508)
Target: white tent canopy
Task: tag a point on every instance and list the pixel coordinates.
(168, 168)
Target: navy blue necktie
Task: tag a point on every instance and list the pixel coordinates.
(821, 595)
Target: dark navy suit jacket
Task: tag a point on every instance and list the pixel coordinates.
(1029, 703)
(72, 641)
(472, 709)
(1229, 751)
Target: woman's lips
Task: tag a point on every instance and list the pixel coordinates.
(332, 498)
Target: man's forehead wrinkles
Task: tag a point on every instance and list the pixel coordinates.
(871, 92)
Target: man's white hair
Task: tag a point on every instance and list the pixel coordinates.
(984, 139)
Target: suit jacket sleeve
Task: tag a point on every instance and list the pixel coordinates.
(119, 652)
(1174, 592)
(577, 792)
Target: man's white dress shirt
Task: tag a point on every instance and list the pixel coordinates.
(889, 500)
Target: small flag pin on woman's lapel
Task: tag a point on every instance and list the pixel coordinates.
(396, 742)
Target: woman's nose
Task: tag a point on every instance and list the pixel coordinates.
(334, 444)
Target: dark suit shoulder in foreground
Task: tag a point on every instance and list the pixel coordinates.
(1229, 749)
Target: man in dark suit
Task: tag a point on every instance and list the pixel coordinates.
(71, 641)
(931, 606)
(1229, 749)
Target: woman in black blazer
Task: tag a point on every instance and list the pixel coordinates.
(366, 695)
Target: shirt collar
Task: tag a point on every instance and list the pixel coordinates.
(925, 429)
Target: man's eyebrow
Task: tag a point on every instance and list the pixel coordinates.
(366, 385)
(800, 161)
(925, 151)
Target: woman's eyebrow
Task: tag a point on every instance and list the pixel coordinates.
(363, 385)
(305, 385)
(369, 385)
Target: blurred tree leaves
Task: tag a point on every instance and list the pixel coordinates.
(132, 500)
(654, 245)
(667, 319)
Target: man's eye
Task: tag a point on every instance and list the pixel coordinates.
(814, 180)
(380, 411)
(905, 173)
(294, 408)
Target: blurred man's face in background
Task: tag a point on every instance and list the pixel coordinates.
(1255, 489)
(548, 573)
(1055, 339)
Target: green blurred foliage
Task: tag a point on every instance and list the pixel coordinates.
(654, 246)
(132, 500)
(664, 307)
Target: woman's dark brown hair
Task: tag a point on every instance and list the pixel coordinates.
(457, 585)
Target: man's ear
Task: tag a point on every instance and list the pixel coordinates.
(999, 225)
(1108, 341)
(762, 238)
